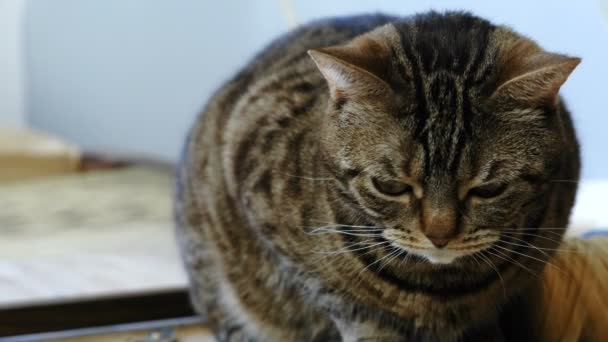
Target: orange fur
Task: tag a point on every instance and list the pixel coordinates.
(574, 303)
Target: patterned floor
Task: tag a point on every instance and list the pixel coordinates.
(87, 235)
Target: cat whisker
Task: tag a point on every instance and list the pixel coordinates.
(359, 274)
(330, 229)
(409, 245)
(342, 225)
(541, 250)
(554, 231)
(532, 228)
(473, 246)
(351, 233)
(557, 232)
(544, 248)
(531, 257)
(474, 257)
(406, 258)
(344, 228)
(511, 260)
(493, 266)
(394, 250)
(348, 249)
(337, 231)
(508, 258)
(321, 258)
(537, 236)
(395, 255)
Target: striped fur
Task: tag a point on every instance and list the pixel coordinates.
(283, 234)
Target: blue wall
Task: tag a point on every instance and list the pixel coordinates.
(132, 74)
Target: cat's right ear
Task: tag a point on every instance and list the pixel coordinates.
(357, 69)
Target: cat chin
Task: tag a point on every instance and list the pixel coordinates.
(440, 260)
(440, 256)
(435, 255)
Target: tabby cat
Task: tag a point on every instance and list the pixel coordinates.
(376, 178)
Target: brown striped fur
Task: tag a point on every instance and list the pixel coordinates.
(283, 229)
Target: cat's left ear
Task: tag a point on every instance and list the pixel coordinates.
(358, 68)
(530, 76)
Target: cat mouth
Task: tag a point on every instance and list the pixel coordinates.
(443, 255)
(422, 247)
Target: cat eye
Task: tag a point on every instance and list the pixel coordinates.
(392, 187)
(488, 190)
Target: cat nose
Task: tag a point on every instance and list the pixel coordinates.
(439, 223)
(438, 242)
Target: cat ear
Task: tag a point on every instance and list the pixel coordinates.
(531, 77)
(358, 68)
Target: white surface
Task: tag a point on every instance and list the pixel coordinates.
(95, 234)
(11, 63)
(84, 264)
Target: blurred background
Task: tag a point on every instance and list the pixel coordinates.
(127, 78)
(133, 74)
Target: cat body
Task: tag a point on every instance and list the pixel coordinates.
(329, 190)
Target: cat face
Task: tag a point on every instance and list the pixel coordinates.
(438, 202)
(446, 156)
